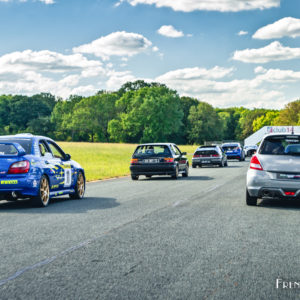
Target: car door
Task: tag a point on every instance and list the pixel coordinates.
(181, 159)
(64, 168)
(49, 163)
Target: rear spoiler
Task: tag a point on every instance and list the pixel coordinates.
(19, 148)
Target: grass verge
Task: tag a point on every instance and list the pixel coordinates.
(106, 160)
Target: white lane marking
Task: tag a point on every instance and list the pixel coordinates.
(46, 261)
(213, 188)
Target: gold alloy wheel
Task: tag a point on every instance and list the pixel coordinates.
(80, 185)
(44, 191)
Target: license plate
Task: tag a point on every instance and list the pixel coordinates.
(289, 176)
(151, 161)
(205, 161)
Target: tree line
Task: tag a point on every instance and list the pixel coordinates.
(138, 112)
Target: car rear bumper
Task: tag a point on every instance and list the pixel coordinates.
(166, 169)
(22, 186)
(208, 161)
(234, 156)
(262, 184)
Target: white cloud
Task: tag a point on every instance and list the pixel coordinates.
(242, 32)
(264, 90)
(195, 74)
(277, 75)
(46, 61)
(43, 1)
(119, 43)
(272, 52)
(210, 5)
(170, 31)
(47, 1)
(283, 27)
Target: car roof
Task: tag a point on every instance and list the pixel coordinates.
(281, 134)
(25, 136)
(228, 144)
(156, 144)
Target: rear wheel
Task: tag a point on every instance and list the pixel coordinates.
(250, 200)
(43, 197)
(194, 166)
(175, 175)
(226, 164)
(79, 188)
(186, 173)
(221, 165)
(134, 177)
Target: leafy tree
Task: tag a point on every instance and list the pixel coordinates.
(61, 113)
(268, 119)
(91, 116)
(150, 114)
(247, 117)
(205, 124)
(290, 115)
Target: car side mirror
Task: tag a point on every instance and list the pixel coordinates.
(67, 157)
(183, 153)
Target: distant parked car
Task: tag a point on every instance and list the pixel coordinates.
(250, 150)
(274, 170)
(158, 159)
(209, 155)
(234, 151)
(36, 167)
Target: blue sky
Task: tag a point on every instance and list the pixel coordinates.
(227, 53)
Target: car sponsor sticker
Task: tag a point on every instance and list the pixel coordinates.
(68, 177)
(9, 181)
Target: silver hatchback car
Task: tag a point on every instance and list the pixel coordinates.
(274, 171)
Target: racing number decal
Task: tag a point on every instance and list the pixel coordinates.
(68, 177)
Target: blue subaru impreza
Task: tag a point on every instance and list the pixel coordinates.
(36, 167)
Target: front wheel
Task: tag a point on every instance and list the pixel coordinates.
(252, 201)
(79, 188)
(43, 197)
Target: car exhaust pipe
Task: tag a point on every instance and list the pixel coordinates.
(266, 194)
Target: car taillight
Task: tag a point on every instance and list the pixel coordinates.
(20, 167)
(290, 193)
(196, 155)
(255, 164)
(134, 161)
(169, 159)
(215, 155)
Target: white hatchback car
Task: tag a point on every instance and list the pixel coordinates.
(274, 170)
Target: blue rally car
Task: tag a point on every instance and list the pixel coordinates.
(36, 167)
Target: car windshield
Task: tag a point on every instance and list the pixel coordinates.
(281, 145)
(230, 147)
(152, 150)
(25, 143)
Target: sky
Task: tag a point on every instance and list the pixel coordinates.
(227, 53)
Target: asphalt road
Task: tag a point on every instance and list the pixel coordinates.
(191, 238)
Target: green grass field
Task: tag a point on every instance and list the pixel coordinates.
(103, 160)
